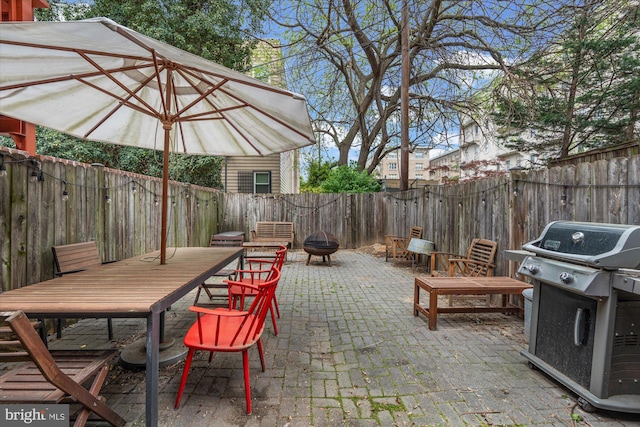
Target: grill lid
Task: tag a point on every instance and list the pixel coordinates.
(609, 246)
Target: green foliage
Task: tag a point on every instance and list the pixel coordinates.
(199, 170)
(318, 172)
(215, 30)
(347, 179)
(583, 91)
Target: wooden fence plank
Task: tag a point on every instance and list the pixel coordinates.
(617, 195)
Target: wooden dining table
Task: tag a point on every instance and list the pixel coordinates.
(137, 287)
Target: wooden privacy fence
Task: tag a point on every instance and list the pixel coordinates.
(121, 211)
(510, 209)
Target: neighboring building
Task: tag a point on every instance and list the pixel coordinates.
(445, 167)
(389, 168)
(277, 173)
(482, 151)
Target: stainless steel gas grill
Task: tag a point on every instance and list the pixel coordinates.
(585, 315)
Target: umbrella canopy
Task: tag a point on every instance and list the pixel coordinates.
(98, 80)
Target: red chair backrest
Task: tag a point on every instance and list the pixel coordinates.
(251, 326)
(278, 261)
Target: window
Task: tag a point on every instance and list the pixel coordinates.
(418, 176)
(419, 155)
(393, 155)
(393, 166)
(262, 182)
(419, 167)
(254, 182)
(393, 176)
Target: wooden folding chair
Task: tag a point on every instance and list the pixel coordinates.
(478, 262)
(56, 376)
(396, 247)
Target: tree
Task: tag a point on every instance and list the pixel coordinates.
(318, 171)
(583, 91)
(347, 179)
(213, 29)
(345, 57)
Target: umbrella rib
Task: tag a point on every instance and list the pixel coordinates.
(203, 95)
(202, 116)
(71, 77)
(233, 125)
(271, 116)
(244, 103)
(72, 49)
(152, 51)
(257, 84)
(181, 133)
(165, 107)
(123, 102)
(132, 94)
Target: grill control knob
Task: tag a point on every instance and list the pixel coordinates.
(566, 277)
(533, 269)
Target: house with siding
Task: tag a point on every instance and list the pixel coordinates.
(277, 173)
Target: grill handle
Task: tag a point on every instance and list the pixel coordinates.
(579, 326)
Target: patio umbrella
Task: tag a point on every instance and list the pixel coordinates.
(98, 80)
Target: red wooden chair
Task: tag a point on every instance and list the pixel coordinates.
(230, 330)
(259, 271)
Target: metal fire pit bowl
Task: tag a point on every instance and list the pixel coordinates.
(321, 244)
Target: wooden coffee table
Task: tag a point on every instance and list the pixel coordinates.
(464, 286)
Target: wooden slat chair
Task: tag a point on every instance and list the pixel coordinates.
(256, 272)
(52, 377)
(477, 262)
(73, 258)
(211, 285)
(396, 247)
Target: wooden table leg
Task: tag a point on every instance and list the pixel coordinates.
(433, 309)
(416, 299)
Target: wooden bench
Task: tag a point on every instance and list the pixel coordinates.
(464, 286)
(77, 257)
(273, 231)
(53, 377)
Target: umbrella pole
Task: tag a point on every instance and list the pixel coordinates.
(165, 196)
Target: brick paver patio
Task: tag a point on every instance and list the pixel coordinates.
(350, 352)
